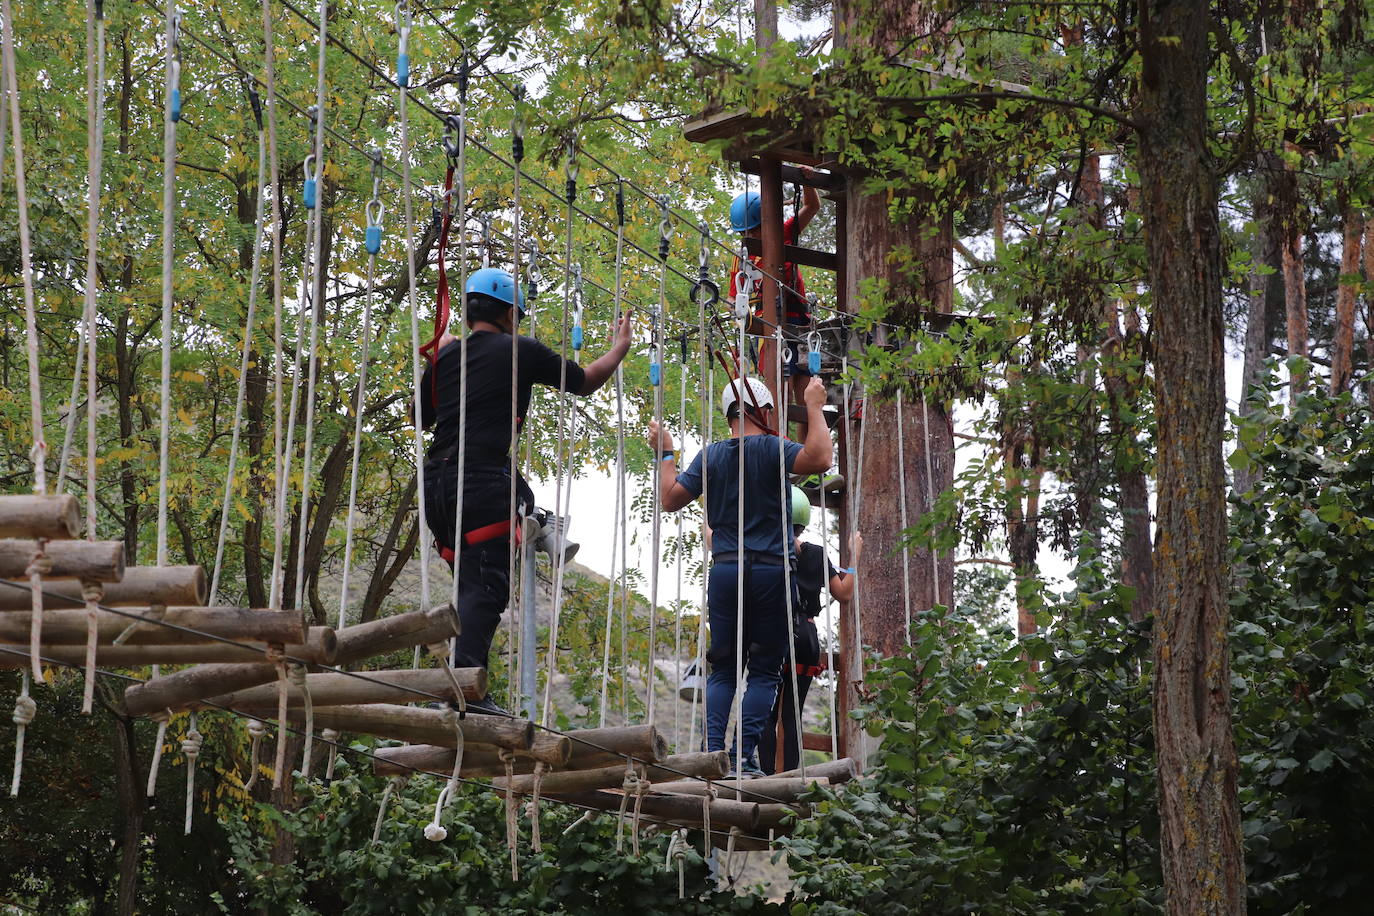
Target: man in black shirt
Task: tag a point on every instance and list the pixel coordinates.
(494, 313)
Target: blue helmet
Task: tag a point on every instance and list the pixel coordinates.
(496, 284)
(746, 211)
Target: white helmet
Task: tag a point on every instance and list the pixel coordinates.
(756, 395)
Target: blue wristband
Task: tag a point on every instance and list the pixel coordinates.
(848, 571)
(666, 455)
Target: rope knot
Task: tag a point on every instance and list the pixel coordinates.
(275, 654)
(257, 729)
(40, 565)
(190, 745)
(92, 592)
(295, 672)
(161, 716)
(24, 710)
(330, 735)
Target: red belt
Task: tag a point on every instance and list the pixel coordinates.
(479, 536)
(810, 670)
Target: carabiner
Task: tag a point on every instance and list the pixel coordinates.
(403, 26)
(311, 182)
(813, 352)
(453, 130)
(373, 236)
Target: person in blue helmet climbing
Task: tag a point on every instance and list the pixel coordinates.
(746, 217)
(494, 310)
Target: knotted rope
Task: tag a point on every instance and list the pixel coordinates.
(677, 852)
(299, 681)
(276, 655)
(512, 825)
(92, 593)
(256, 730)
(730, 856)
(394, 784)
(629, 787)
(434, 831)
(190, 746)
(24, 710)
(161, 717)
(332, 737)
(536, 842)
(39, 566)
(641, 789)
(706, 821)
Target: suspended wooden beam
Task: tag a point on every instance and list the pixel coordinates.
(403, 631)
(703, 765)
(598, 747)
(681, 810)
(87, 561)
(837, 771)
(427, 726)
(571, 780)
(184, 688)
(330, 689)
(140, 586)
(831, 182)
(317, 649)
(771, 789)
(68, 627)
(30, 517)
(772, 816)
(479, 761)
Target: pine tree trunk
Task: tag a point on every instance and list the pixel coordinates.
(1343, 346)
(1200, 840)
(1294, 280)
(872, 235)
(1266, 295)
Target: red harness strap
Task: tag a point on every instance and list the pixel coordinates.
(810, 670)
(441, 295)
(480, 536)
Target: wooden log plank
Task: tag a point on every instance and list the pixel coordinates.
(837, 771)
(599, 747)
(772, 816)
(68, 627)
(29, 517)
(703, 765)
(140, 586)
(402, 631)
(796, 254)
(317, 649)
(815, 741)
(612, 777)
(329, 689)
(86, 561)
(478, 760)
(832, 182)
(770, 789)
(680, 810)
(185, 688)
(427, 726)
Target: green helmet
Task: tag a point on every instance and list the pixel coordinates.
(801, 508)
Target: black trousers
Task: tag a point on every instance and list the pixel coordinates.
(484, 568)
(785, 710)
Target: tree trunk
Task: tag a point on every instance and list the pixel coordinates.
(1294, 279)
(1200, 840)
(1343, 346)
(130, 792)
(914, 257)
(1369, 310)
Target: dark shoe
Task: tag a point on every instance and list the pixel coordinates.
(486, 707)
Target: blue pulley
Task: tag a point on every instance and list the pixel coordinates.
(655, 374)
(175, 112)
(577, 337)
(403, 70)
(813, 362)
(374, 239)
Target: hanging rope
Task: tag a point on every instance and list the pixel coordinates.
(172, 110)
(665, 231)
(512, 826)
(785, 495)
(331, 737)
(278, 380)
(517, 146)
(296, 672)
(620, 530)
(930, 505)
(161, 717)
(828, 602)
(536, 842)
(95, 119)
(254, 276)
(190, 747)
(256, 730)
(39, 450)
(393, 785)
(372, 241)
(92, 593)
(457, 156)
(434, 830)
(677, 854)
(24, 707)
(572, 302)
(403, 22)
(275, 656)
(706, 295)
(901, 498)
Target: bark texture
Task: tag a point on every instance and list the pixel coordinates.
(1294, 278)
(1200, 839)
(1343, 346)
(1266, 292)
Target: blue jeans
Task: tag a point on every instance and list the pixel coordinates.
(764, 646)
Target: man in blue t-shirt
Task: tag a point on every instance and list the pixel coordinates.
(754, 555)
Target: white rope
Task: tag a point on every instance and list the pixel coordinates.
(301, 682)
(393, 785)
(317, 284)
(855, 600)
(254, 276)
(39, 451)
(24, 709)
(407, 193)
(95, 11)
(91, 593)
(785, 494)
(373, 215)
(190, 746)
(656, 382)
(677, 600)
(620, 525)
(161, 717)
(462, 195)
(707, 424)
(737, 699)
(69, 421)
(901, 498)
(517, 154)
(828, 603)
(171, 114)
(930, 504)
(278, 380)
(257, 729)
(331, 737)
